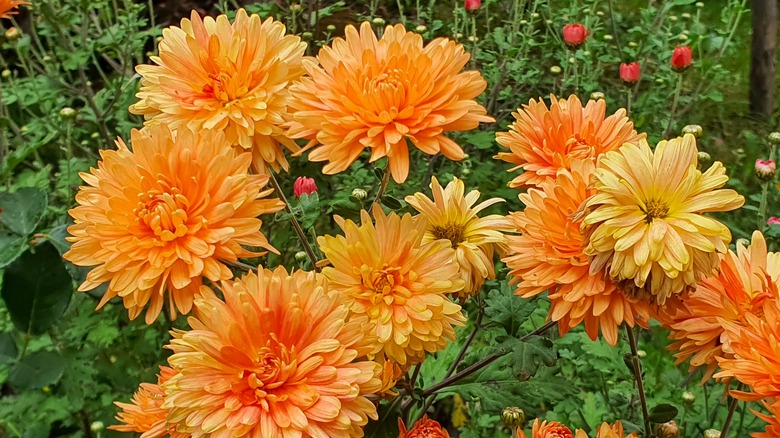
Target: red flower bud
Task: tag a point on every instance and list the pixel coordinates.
(630, 73)
(575, 34)
(773, 221)
(682, 58)
(304, 186)
(472, 5)
(765, 169)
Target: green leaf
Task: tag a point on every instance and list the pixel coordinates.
(391, 202)
(528, 356)
(40, 430)
(310, 209)
(11, 247)
(8, 351)
(662, 413)
(508, 310)
(348, 205)
(22, 209)
(36, 288)
(37, 370)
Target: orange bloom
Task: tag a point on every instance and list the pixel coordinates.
(423, 428)
(756, 353)
(547, 429)
(452, 215)
(543, 140)
(145, 413)
(547, 255)
(773, 420)
(391, 374)
(745, 281)
(607, 430)
(154, 220)
(212, 74)
(377, 94)
(7, 7)
(277, 357)
(388, 274)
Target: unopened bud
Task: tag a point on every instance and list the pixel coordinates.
(158, 40)
(421, 28)
(301, 256)
(548, 22)
(555, 70)
(742, 242)
(360, 194)
(330, 28)
(704, 157)
(683, 37)
(513, 417)
(295, 8)
(535, 15)
(307, 36)
(696, 130)
(600, 13)
(689, 397)
(641, 353)
(6, 74)
(46, 59)
(458, 36)
(608, 37)
(701, 5)
(633, 44)
(68, 113)
(46, 390)
(685, 15)
(24, 129)
(378, 21)
(12, 34)
(672, 18)
(711, 433)
(97, 426)
(765, 169)
(523, 22)
(473, 39)
(667, 430)
(95, 135)
(112, 358)
(774, 138)
(660, 81)
(597, 95)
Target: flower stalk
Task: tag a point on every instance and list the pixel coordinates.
(296, 226)
(637, 371)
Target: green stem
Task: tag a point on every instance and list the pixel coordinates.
(762, 206)
(382, 188)
(401, 11)
(629, 98)
(677, 92)
(296, 226)
(637, 368)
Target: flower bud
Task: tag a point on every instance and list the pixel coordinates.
(68, 113)
(548, 22)
(660, 81)
(765, 169)
(688, 397)
(513, 417)
(630, 73)
(46, 390)
(12, 34)
(685, 15)
(597, 95)
(608, 37)
(633, 44)
(473, 39)
(574, 35)
(360, 194)
(304, 186)
(774, 138)
(700, 5)
(523, 22)
(711, 433)
(472, 5)
(307, 36)
(672, 18)
(6, 74)
(600, 13)
(773, 221)
(683, 37)
(682, 58)
(295, 8)
(704, 157)
(641, 353)
(742, 242)
(301, 256)
(95, 135)
(535, 15)
(696, 130)
(458, 36)
(667, 430)
(330, 28)
(378, 21)
(421, 28)
(97, 426)
(555, 70)
(24, 128)
(46, 59)
(112, 359)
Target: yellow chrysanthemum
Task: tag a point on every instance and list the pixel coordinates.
(378, 93)
(542, 140)
(744, 282)
(452, 215)
(156, 220)
(388, 274)
(645, 222)
(211, 74)
(277, 358)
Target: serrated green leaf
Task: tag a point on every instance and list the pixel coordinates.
(662, 413)
(310, 209)
(507, 309)
(37, 370)
(21, 210)
(36, 288)
(8, 350)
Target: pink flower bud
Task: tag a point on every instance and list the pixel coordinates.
(682, 58)
(472, 5)
(765, 169)
(304, 186)
(773, 221)
(575, 34)
(630, 73)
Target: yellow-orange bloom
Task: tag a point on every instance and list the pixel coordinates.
(378, 93)
(423, 428)
(547, 255)
(543, 140)
(211, 74)
(744, 282)
(773, 420)
(388, 274)
(391, 374)
(547, 429)
(756, 353)
(452, 215)
(145, 413)
(278, 357)
(645, 223)
(153, 221)
(607, 430)
(7, 7)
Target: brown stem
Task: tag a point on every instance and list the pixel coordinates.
(382, 188)
(637, 368)
(296, 226)
(724, 432)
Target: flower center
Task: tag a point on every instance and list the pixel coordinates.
(379, 285)
(224, 88)
(164, 213)
(655, 209)
(451, 231)
(259, 380)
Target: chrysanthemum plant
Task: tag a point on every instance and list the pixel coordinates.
(405, 303)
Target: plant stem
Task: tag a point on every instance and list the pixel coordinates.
(638, 378)
(382, 188)
(629, 98)
(296, 226)
(724, 432)
(677, 92)
(401, 12)
(242, 265)
(764, 197)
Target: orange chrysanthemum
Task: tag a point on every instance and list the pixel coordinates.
(452, 215)
(547, 255)
(377, 94)
(745, 281)
(547, 429)
(7, 7)
(755, 345)
(646, 225)
(145, 413)
(423, 428)
(212, 74)
(388, 274)
(155, 220)
(773, 420)
(278, 357)
(391, 374)
(543, 140)
(607, 430)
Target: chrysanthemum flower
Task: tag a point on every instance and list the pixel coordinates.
(451, 215)
(399, 282)
(391, 374)
(211, 74)
(379, 94)
(547, 255)
(423, 428)
(278, 357)
(744, 282)
(607, 430)
(543, 140)
(773, 420)
(145, 413)
(756, 353)
(547, 429)
(8, 7)
(646, 224)
(153, 221)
